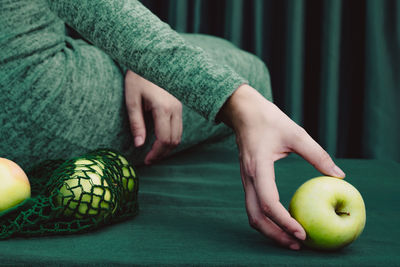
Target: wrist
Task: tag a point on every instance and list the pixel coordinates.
(239, 103)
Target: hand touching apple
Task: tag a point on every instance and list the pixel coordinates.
(264, 134)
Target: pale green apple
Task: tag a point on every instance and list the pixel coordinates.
(128, 181)
(85, 193)
(128, 175)
(331, 211)
(14, 184)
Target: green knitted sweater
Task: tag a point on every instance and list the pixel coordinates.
(126, 31)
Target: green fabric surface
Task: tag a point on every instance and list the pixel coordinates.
(334, 64)
(192, 213)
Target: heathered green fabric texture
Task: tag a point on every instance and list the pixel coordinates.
(134, 37)
(62, 97)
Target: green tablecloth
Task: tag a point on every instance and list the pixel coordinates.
(192, 212)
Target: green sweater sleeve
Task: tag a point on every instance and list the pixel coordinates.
(136, 38)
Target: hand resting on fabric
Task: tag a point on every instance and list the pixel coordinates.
(143, 95)
(264, 134)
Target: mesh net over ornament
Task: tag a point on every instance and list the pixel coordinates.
(73, 196)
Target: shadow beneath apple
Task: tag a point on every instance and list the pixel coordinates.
(347, 250)
(249, 241)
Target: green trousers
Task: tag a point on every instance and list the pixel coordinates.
(87, 110)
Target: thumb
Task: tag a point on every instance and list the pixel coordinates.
(136, 120)
(311, 151)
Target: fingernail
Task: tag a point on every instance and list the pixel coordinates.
(294, 246)
(299, 235)
(338, 172)
(138, 141)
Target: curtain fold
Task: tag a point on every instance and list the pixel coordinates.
(294, 60)
(382, 80)
(234, 22)
(334, 64)
(330, 83)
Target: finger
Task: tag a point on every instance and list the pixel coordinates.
(156, 152)
(162, 128)
(169, 144)
(176, 127)
(136, 120)
(264, 225)
(311, 151)
(268, 199)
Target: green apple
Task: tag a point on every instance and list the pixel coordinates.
(14, 184)
(128, 174)
(86, 193)
(331, 211)
(128, 182)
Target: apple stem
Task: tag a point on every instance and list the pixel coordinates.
(343, 213)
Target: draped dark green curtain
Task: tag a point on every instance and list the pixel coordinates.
(334, 64)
